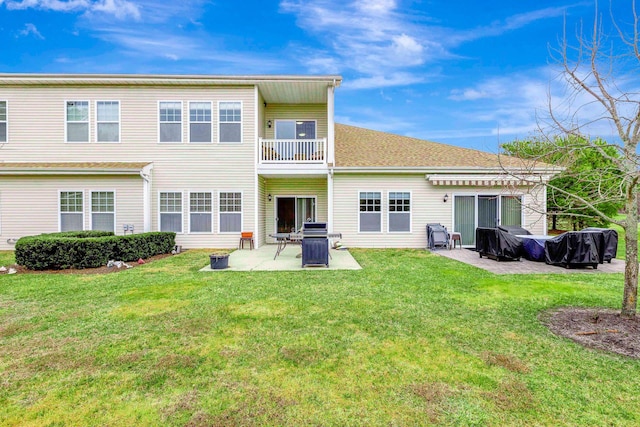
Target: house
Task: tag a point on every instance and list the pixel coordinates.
(211, 156)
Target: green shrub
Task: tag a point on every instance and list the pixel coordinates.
(88, 249)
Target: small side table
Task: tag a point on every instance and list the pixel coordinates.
(455, 237)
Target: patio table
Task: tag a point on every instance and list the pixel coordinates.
(281, 239)
(533, 246)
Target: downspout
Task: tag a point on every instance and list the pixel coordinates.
(145, 174)
(330, 152)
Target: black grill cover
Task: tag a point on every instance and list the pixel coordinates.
(572, 249)
(514, 229)
(498, 244)
(606, 241)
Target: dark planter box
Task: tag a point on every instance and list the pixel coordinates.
(219, 262)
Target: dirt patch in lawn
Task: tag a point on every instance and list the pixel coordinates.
(98, 270)
(599, 328)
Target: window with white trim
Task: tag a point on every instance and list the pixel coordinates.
(230, 121)
(103, 212)
(171, 211)
(295, 129)
(108, 121)
(399, 212)
(370, 211)
(199, 122)
(170, 118)
(200, 212)
(3, 121)
(71, 211)
(77, 113)
(230, 212)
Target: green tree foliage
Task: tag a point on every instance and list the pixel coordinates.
(589, 174)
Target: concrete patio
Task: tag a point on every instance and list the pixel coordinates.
(261, 259)
(524, 266)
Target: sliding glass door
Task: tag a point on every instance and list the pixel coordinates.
(293, 212)
(480, 210)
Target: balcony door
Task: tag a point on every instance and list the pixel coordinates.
(292, 130)
(293, 212)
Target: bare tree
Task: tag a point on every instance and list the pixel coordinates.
(600, 66)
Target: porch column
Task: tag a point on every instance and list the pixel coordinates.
(330, 155)
(145, 174)
(330, 200)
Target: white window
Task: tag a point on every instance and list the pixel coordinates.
(230, 122)
(3, 121)
(295, 129)
(77, 121)
(171, 211)
(170, 121)
(399, 212)
(200, 212)
(370, 211)
(103, 211)
(108, 121)
(230, 212)
(71, 211)
(199, 122)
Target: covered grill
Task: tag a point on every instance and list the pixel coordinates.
(315, 244)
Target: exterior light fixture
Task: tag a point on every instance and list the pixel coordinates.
(269, 123)
(269, 197)
(445, 198)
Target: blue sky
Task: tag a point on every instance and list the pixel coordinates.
(463, 72)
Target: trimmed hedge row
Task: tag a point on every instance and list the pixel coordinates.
(89, 249)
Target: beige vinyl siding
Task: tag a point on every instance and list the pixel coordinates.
(263, 202)
(38, 121)
(30, 204)
(38, 134)
(316, 112)
(427, 206)
(294, 187)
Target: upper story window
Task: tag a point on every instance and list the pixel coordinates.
(230, 122)
(108, 121)
(295, 129)
(3, 121)
(170, 118)
(199, 122)
(399, 212)
(77, 121)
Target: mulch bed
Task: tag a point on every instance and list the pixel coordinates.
(98, 270)
(598, 328)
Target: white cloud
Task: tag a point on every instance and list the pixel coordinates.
(121, 9)
(380, 81)
(376, 39)
(30, 29)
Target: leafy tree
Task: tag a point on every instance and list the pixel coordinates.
(586, 173)
(600, 67)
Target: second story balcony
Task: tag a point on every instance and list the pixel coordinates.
(293, 151)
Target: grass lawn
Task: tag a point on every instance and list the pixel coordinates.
(412, 339)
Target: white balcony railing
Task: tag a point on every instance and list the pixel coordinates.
(293, 150)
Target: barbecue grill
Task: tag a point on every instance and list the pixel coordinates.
(315, 244)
